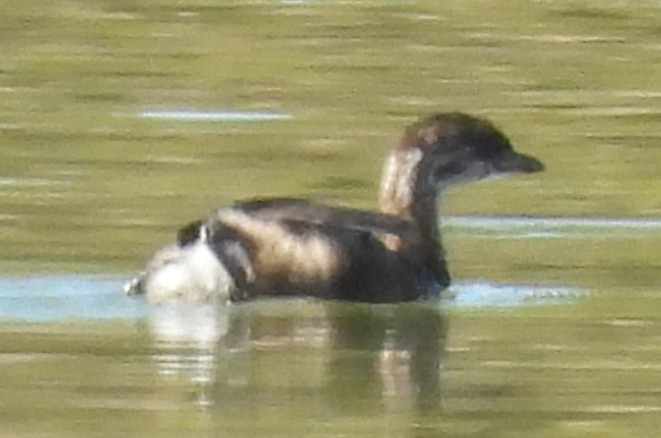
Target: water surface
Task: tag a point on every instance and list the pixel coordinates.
(121, 121)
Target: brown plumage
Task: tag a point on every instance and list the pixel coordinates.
(281, 246)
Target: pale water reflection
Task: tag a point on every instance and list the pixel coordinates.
(57, 298)
(508, 227)
(213, 115)
(80, 297)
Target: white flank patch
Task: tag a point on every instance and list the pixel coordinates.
(191, 273)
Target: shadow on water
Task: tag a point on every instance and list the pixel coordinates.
(336, 359)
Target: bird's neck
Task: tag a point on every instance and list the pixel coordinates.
(404, 194)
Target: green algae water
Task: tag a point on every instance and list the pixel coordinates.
(122, 120)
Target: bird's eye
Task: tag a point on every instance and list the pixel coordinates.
(449, 170)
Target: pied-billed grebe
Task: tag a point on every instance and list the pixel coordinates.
(281, 246)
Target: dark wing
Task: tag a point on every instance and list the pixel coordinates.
(189, 233)
(306, 211)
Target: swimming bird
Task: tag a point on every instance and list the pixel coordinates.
(284, 246)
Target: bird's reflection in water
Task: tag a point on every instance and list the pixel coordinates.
(320, 357)
(186, 340)
(387, 356)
